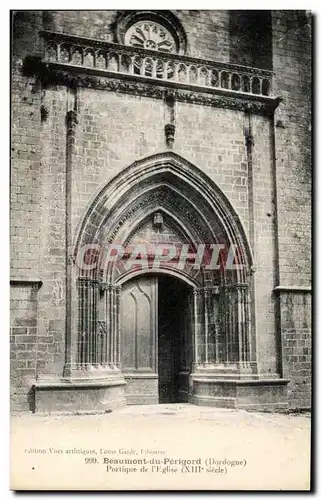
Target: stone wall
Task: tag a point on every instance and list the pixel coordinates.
(26, 354)
(24, 233)
(292, 66)
(293, 167)
(104, 147)
(208, 35)
(295, 322)
(251, 38)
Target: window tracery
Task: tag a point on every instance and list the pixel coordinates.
(151, 30)
(150, 35)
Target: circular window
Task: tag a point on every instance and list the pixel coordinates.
(151, 30)
(150, 35)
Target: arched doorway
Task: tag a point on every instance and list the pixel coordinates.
(164, 201)
(156, 324)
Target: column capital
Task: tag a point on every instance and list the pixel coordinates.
(103, 286)
(236, 286)
(211, 289)
(83, 281)
(71, 260)
(87, 281)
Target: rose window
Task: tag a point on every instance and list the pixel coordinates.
(151, 36)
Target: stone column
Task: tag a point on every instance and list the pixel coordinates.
(94, 322)
(83, 284)
(211, 326)
(109, 323)
(237, 324)
(232, 345)
(198, 338)
(117, 292)
(71, 121)
(196, 329)
(243, 323)
(206, 324)
(111, 354)
(87, 332)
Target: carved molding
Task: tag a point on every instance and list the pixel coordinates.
(170, 134)
(165, 199)
(173, 166)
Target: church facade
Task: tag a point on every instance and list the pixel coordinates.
(160, 209)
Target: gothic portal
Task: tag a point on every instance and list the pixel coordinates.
(171, 330)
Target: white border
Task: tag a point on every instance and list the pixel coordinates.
(4, 171)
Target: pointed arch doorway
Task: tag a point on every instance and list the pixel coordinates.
(194, 212)
(156, 316)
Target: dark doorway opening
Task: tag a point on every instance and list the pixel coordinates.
(174, 339)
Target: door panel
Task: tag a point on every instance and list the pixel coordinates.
(156, 339)
(139, 324)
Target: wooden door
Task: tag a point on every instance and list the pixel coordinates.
(139, 325)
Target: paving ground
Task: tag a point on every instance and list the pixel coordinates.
(177, 446)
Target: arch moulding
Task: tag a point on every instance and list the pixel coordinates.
(169, 183)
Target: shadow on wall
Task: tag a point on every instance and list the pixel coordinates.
(32, 400)
(251, 38)
(25, 33)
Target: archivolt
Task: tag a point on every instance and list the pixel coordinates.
(164, 182)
